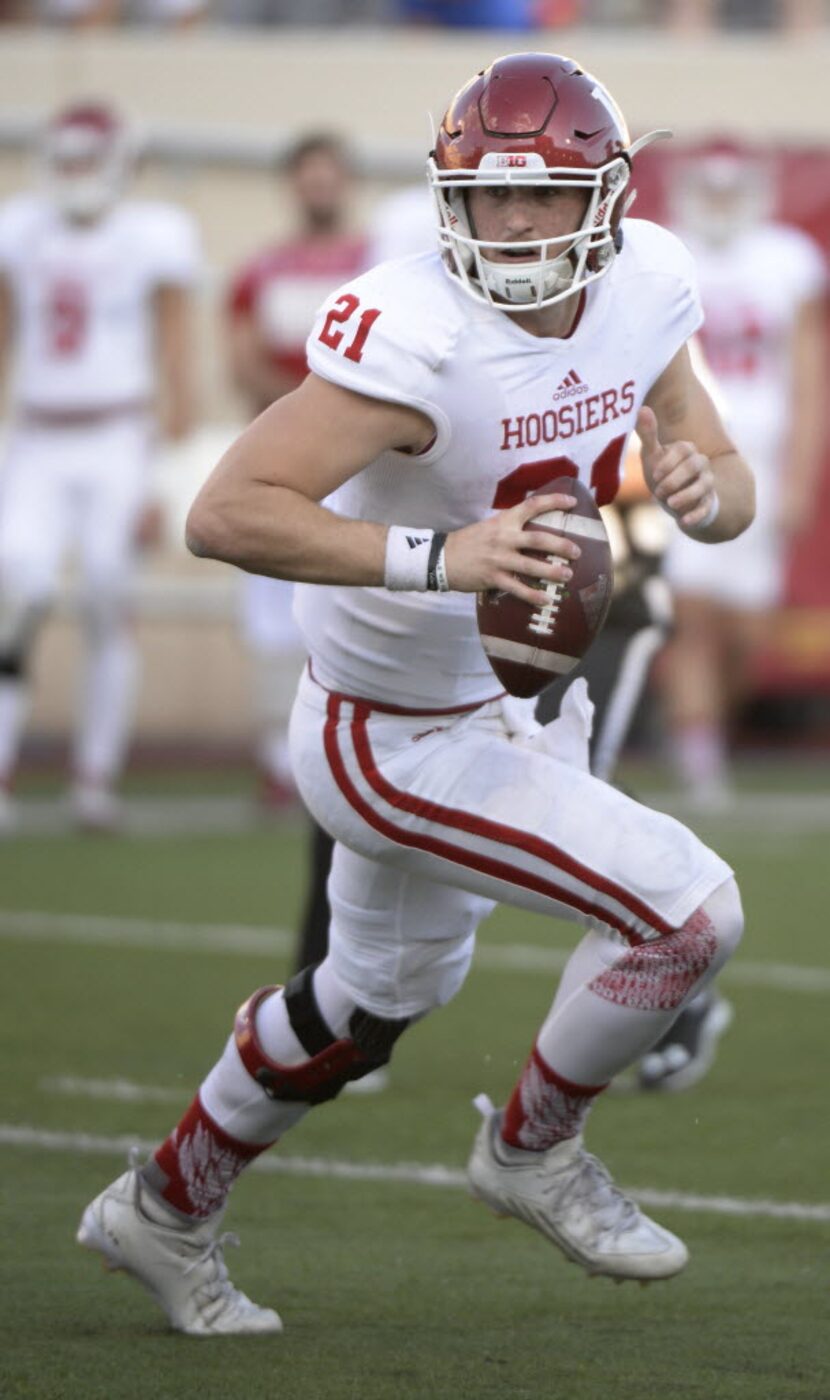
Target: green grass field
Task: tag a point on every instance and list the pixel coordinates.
(391, 1289)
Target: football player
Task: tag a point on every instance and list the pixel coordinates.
(763, 287)
(270, 310)
(432, 404)
(95, 307)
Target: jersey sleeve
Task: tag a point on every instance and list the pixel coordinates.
(15, 219)
(372, 336)
(173, 247)
(807, 265)
(683, 309)
(663, 290)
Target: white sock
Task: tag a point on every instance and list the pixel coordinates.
(700, 755)
(107, 703)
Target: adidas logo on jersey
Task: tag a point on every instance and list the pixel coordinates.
(571, 384)
(414, 540)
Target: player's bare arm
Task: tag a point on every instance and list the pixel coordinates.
(809, 376)
(173, 311)
(250, 364)
(260, 508)
(689, 461)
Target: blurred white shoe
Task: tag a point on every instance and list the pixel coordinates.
(181, 1265)
(372, 1083)
(687, 1051)
(569, 1196)
(95, 807)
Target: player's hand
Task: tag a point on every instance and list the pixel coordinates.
(149, 529)
(681, 478)
(177, 420)
(491, 553)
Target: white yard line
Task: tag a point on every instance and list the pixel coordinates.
(112, 1090)
(164, 936)
(408, 1173)
(764, 814)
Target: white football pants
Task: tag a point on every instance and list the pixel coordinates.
(77, 490)
(439, 817)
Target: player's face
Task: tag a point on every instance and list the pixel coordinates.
(515, 215)
(321, 186)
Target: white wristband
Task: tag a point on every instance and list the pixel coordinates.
(407, 558)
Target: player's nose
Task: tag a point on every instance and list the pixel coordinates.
(520, 215)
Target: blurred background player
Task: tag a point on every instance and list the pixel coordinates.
(762, 286)
(95, 308)
(270, 310)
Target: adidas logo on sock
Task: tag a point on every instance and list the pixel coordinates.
(571, 385)
(414, 540)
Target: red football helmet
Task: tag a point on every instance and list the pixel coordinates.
(721, 188)
(538, 119)
(86, 155)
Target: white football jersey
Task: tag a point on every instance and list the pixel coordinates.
(751, 290)
(511, 411)
(82, 298)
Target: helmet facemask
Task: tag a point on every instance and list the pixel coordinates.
(565, 264)
(85, 163)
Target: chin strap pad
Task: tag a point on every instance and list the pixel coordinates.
(332, 1063)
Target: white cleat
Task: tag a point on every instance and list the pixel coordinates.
(95, 808)
(569, 1196)
(375, 1082)
(180, 1265)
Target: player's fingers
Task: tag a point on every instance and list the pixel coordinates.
(538, 505)
(548, 544)
(686, 485)
(672, 457)
(511, 583)
(691, 495)
(694, 517)
(532, 566)
(647, 431)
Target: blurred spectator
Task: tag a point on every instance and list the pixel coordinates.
(87, 14)
(270, 310)
(762, 286)
(493, 14)
(95, 303)
(704, 15)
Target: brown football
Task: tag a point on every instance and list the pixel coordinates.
(529, 646)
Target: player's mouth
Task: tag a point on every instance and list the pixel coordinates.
(522, 255)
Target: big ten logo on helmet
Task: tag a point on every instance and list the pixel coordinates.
(559, 424)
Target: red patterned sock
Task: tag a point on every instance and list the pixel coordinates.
(544, 1108)
(196, 1166)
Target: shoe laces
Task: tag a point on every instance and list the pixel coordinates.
(218, 1288)
(592, 1187)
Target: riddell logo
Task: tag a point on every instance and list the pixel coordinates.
(571, 384)
(513, 160)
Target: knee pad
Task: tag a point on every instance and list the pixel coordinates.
(332, 1063)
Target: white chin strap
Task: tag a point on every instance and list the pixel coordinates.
(530, 282)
